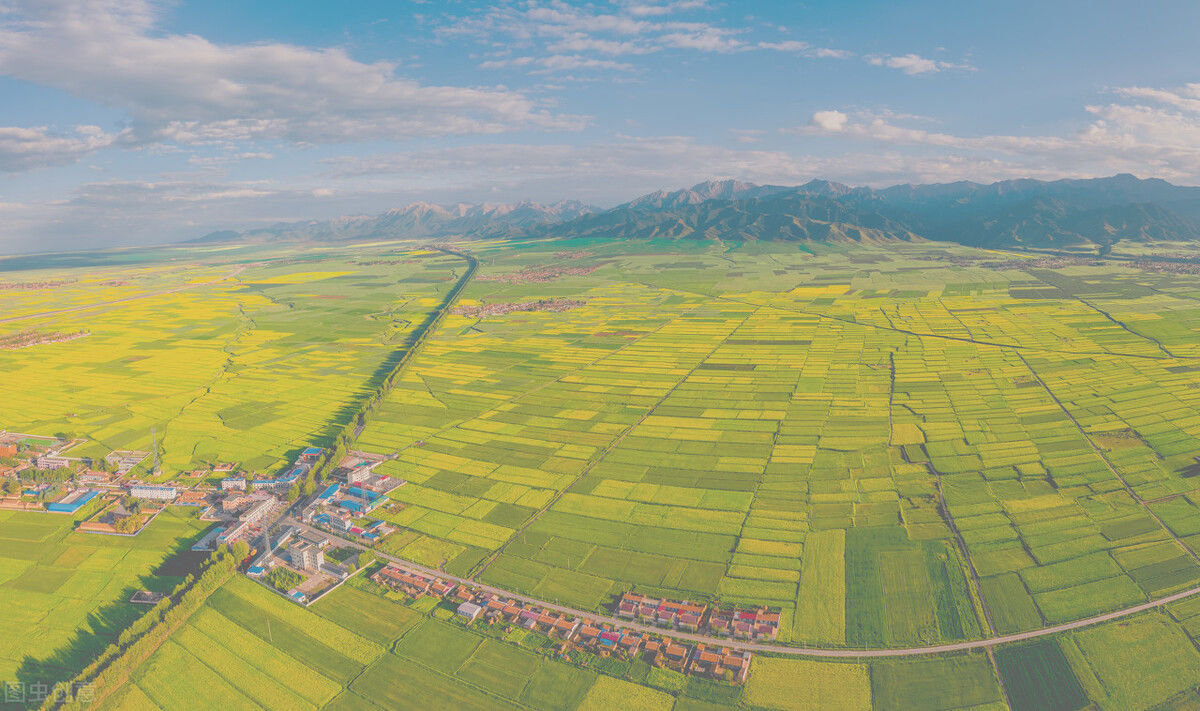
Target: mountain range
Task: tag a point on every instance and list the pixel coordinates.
(420, 220)
(1013, 213)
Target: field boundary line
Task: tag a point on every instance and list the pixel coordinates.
(917, 334)
(549, 383)
(820, 652)
(1108, 463)
(595, 460)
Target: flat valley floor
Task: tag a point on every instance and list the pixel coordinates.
(898, 445)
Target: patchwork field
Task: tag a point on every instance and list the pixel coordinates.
(357, 649)
(230, 359)
(64, 595)
(897, 446)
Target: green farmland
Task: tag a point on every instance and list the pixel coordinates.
(829, 433)
(246, 359)
(898, 446)
(64, 595)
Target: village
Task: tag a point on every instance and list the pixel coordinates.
(39, 473)
(304, 544)
(646, 637)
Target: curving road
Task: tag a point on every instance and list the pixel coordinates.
(986, 643)
(771, 648)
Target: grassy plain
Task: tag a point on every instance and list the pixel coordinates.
(808, 428)
(230, 359)
(897, 446)
(64, 595)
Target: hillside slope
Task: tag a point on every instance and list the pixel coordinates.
(1014, 213)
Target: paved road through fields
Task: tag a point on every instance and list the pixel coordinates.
(774, 648)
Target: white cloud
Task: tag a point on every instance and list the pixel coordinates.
(805, 49)
(208, 161)
(1187, 98)
(647, 9)
(23, 148)
(704, 39)
(186, 88)
(746, 135)
(625, 28)
(829, 53)
(619, 170)
(556, 63)
(831, 121)
(145, 212)
(579, 42)
(633, 161)
(915, 64)
(1161, 140)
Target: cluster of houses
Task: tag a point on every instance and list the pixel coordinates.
(54, 456)
(278, 484)
(344, 507)
(413, 583)
(32, 451)
(247, 513)
(593, 636)
(304, 553)
(124, 460)
(746, 623)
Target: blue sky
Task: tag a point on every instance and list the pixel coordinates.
(136, 121)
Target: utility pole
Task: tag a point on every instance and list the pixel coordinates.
(154, 437)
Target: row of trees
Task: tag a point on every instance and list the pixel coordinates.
(349, 432)
(139, 640)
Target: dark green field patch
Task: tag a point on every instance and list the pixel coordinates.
(248, 415)
(1051, 293)
(934, 684)
(41, 579)
(1129, 527)
(1010, 603)
(1165, 574)
(726, 366)
(509, 515)
(1038, 677)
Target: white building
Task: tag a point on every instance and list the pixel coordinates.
(158, 493)
(307, 556)
(257, 511)
(253, 514)
(470, 610)
(358, 475)
(52, 461)
(233, 482)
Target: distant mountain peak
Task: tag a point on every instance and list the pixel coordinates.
(1022, 212)
(419, 220)
(726, 189)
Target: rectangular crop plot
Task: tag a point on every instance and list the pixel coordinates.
(1038, 676)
